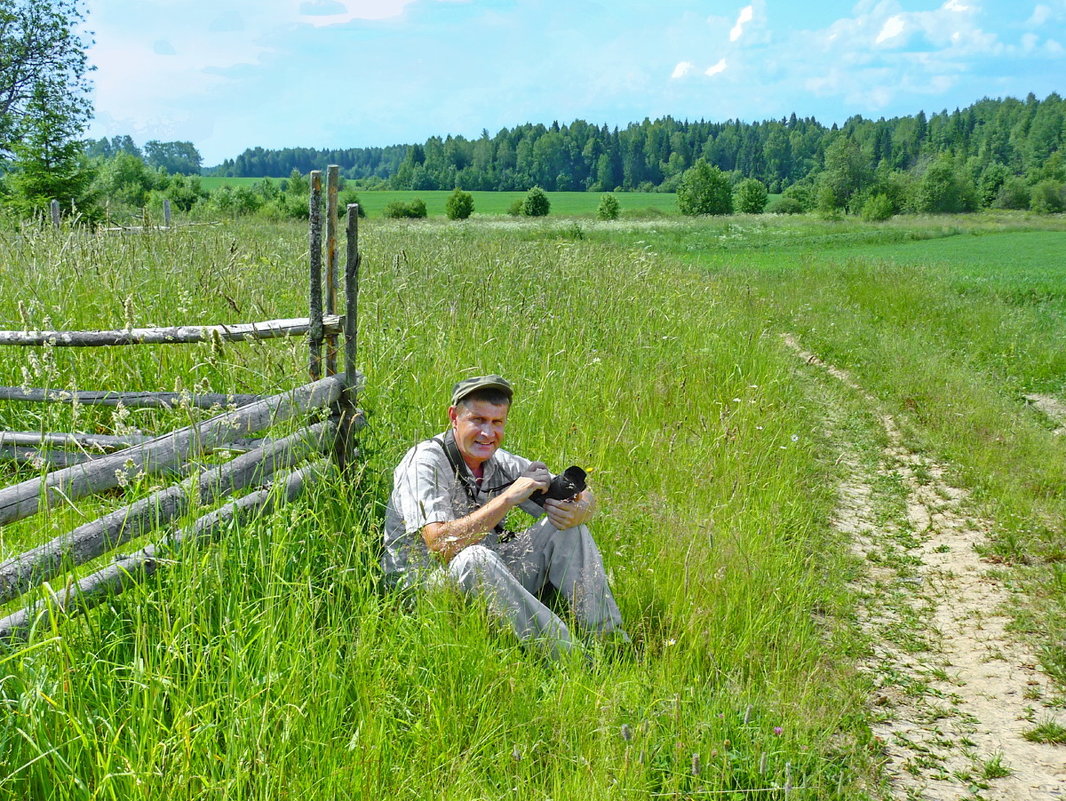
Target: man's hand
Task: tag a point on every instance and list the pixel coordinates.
(573, 512)
(534, 478)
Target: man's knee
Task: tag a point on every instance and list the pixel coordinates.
(475, 565)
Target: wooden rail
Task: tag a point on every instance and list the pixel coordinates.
(134, 568)
(163, 453)
(88, 444)
(131, 400)
(175, 335)
(97, 537)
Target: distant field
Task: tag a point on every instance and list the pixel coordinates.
(563, 203)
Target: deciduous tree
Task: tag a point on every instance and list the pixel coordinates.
(704, 190)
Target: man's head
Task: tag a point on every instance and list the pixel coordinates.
(478, 414)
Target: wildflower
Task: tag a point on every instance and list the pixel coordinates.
(795, 437)
(778, 730)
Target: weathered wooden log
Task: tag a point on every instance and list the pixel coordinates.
(25, 499)
(98, 443)
(134, 568)
(53, 460)
(344, 453)
(131, 400)
(90, 540)
(314, 335)
(332, 186)
(174, 335)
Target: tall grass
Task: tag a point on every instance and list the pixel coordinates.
(273, 666)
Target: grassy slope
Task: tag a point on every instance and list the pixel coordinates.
(950, 326)
(271, 666)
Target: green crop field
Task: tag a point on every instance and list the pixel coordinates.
(273, 665)
(578, 204)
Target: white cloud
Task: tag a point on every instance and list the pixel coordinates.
(743, 19)
(893, 28)
(716, 68)
(346, 11)
(957, 5)
(682, 69)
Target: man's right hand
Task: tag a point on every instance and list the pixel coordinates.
(534, 478)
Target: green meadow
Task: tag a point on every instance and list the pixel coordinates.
(273, 664)
(579, 204)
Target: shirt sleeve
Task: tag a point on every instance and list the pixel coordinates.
(422, 490)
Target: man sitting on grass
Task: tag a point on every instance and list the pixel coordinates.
(450, 496)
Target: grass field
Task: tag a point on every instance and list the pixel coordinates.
(273, 666)
(579, 204)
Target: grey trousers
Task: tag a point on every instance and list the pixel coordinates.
(514, 576)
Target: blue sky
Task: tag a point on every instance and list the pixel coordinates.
(231, 74)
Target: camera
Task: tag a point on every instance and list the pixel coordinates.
(563, 487)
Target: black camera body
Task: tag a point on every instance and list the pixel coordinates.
(563, 487)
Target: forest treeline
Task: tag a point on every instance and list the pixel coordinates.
(1020, 137)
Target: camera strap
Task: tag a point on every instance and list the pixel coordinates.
(466, 478)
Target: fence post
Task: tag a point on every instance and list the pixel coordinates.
(344, 452)
(55, 213)
(314, 335)
(332, 185)
(166, 212)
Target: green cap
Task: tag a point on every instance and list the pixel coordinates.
(468, 385)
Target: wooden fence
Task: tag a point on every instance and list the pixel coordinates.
(83, 464)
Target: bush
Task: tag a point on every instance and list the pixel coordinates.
(1014, 194)
(801, 193)
(785, 205)
(1048, 197)
(608, 208)
(704, 190)
(346, 198)
(459, 205)
(750, 196)
(536, 203)
(515, 208)
(878, 208)
(945, 189)
(398, 210)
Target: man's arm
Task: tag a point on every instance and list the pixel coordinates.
(573, 512)
(447, 539)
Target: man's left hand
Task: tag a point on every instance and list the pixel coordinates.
(569, 513)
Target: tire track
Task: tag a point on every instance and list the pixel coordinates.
(956, 692)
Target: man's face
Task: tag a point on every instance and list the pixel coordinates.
(478, 430)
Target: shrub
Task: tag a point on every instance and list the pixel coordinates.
(704, 190)
(877, 208)
(515, 208)
(398, 210)
(536, 203)
(750, 196)
(608, 208)
(945, 189)
(785, 204)
(802, 193)
(1048, 197)
(1014, 194)
(345, 199)
(459, 205)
